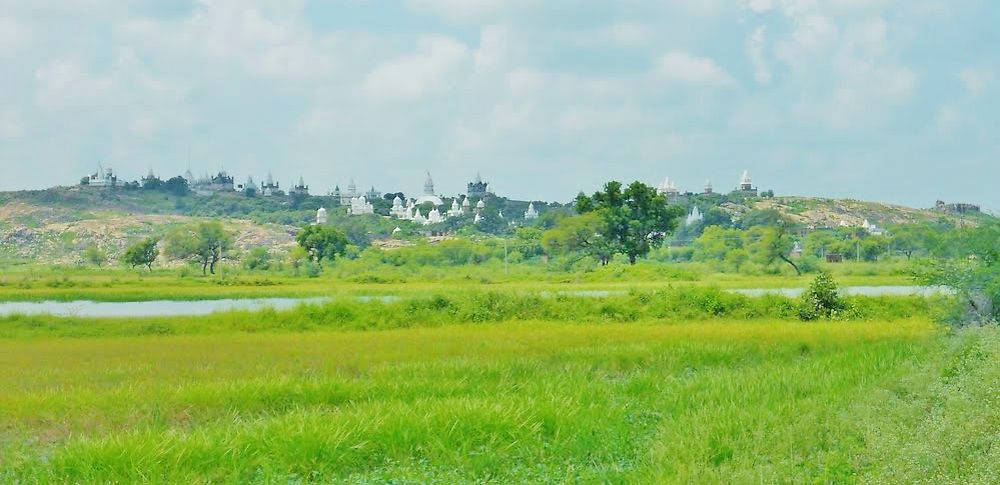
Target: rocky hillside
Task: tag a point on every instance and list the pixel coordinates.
(58, 224)
(58, 235)
(817, 212)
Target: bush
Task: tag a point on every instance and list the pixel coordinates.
(821, 299)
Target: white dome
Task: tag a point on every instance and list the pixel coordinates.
(481, 205)
(433, 199)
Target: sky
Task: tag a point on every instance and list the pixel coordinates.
(886, 100)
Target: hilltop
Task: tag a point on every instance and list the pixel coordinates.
(59, 223)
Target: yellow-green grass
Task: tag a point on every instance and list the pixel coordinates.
(718, 401)
(118, 285)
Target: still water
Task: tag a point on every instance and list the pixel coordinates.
(97, 309)
(94, 309)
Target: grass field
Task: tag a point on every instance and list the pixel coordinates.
(36, 283)
(768, 401)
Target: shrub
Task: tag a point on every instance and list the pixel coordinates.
(821, 299)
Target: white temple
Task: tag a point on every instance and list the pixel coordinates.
(360, 206)
(694, 217)
(321, 217)
(105, 177)
(429, 195)
(456, 211)
(434, 217)
(398, 210)
(668, 188)
(418, 218)
(531, 213)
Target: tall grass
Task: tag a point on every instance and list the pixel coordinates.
(725, 401)
(669, 304)
(68, 283)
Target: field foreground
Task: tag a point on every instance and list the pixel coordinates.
(718, 401)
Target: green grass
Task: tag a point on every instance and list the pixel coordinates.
(33, 283)
(474, 306)
(721, 401)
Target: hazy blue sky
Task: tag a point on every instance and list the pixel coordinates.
(873, 99)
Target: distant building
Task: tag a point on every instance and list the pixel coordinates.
(708, 188)
(347, 195)
(373, 194)
(104, 177)
(456, 209)
(746, 187)
(321, 217)
(694, 217)
(360, 206)
(668, 189)
(249, 188)
(531, 213)
(429, 196)
(957, 208)
(873, 229)
(222, 182)
(400, 211)
(300, 189)
(478, 189)
(271, 188)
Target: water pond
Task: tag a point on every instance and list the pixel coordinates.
(93, 309)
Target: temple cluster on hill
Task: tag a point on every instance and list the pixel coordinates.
(428, 208)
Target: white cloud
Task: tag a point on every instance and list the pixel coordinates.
(760, 5)
(686, 69)
(431, 69)
(948, 118)
(976, 80)
(755, 50)
(463, 10)
(494, 41)
(626, 34)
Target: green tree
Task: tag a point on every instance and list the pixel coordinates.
(297, 258)
(205, 243)
(142, 253)
(257, 259)
(974, 274)
(716, 243)
(636, 218)
(322, 242)
(821, 299)
(581, 234)
(95, 256)
(767, 245)
(176, 185)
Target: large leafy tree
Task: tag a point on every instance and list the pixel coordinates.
(635, 218)
(768, 245)
(974, 274)
(322, 242)
(142, 253)
(580, 234)
(206, 243)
